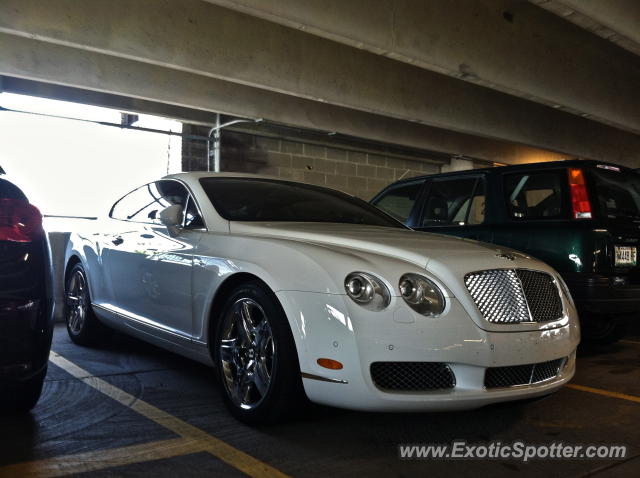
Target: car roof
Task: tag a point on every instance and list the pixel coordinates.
(195, 176)
(515, 168)
(209, 174)
(10, 190)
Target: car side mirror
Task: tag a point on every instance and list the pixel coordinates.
(172, 218)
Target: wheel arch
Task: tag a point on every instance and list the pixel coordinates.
(71, 263)
(223, 292)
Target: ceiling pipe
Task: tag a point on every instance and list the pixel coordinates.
(215, 133)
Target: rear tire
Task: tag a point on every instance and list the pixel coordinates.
(255, 357)
(83, 326)
(24, 396)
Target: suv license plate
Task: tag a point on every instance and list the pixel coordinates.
(626, 256)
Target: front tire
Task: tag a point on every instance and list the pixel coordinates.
(256, 358)
(602, 330)
(83, 326)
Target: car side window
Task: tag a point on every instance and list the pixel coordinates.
(145, 203)
(192, 217)
(454, 202)
(476, 211)
(398, 201)
(130, 203)
(537, 195)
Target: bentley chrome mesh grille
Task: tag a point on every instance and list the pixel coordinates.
(542, 295)
(512, 296)
(412, 376)
(498, 295)
(500, 377)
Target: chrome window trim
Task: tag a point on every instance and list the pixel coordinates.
(189, 195)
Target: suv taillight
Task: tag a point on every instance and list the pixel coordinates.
(579, 195)
(19, 221)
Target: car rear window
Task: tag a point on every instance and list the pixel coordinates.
(10, 191)
(617, 192)
(249, 199)
(537, 195)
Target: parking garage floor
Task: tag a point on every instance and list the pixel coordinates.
(130, 409)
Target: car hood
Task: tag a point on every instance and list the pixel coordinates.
(391, 252)
(425, 250)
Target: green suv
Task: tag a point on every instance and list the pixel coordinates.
(581, 217)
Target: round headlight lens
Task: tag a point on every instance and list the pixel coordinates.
(421, 294)
(367, 290)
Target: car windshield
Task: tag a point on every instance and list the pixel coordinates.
(617, 192)
(252, 199)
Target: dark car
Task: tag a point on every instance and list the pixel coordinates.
(581, 217)
(26, 304)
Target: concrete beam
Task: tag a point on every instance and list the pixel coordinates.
(615, 20)
(508, 45)
(95, 98)
(103, 74)
(211, 42)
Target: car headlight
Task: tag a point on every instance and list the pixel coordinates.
(367, 290)
(422, 295)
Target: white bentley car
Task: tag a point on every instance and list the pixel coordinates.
(290, 289)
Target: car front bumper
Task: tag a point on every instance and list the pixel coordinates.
(331, 326)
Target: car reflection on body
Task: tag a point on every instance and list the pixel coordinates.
(289, 290)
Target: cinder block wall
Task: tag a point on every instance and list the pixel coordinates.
(355, 170)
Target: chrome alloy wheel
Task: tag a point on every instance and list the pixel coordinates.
(77, 302)
(247, 352)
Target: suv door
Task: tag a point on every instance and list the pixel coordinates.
(537, 220)
(454, 205)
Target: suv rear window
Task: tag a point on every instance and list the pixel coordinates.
(617, 193)
(537, 195)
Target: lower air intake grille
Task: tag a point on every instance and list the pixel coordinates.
(512, 296)
(412, 376)
(500, 377)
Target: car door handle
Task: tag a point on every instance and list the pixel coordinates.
(117, 241)
(147, 236)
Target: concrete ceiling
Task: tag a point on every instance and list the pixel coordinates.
(615, 20)
(499, 79)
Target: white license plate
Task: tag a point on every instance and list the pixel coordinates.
(626, 256)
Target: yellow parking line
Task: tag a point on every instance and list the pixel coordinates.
(101, 459)
(606, 393)
(635, 342)
(223, 451)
